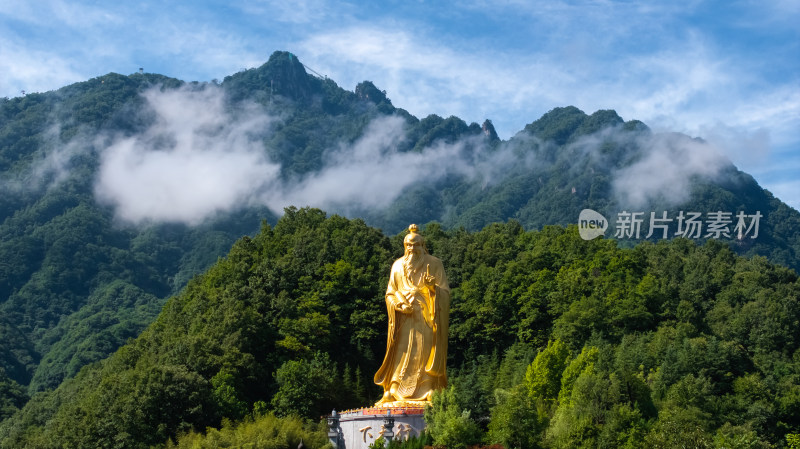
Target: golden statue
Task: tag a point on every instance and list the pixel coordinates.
(418, 302)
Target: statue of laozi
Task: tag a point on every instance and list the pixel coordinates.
(418, 303)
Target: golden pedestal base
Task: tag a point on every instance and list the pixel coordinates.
(403, 404)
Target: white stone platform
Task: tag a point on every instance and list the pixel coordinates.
(357, 429)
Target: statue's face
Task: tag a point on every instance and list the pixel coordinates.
(414, 247)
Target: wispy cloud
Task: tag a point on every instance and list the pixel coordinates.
(367, 174)
(297, 12)
(49, 166)
(74, 15)
(667, 169)
(427, 78)
(197, 159)
(32, 70)
(686, 81)
(372, 172)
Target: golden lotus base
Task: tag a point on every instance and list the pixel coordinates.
(402, 404)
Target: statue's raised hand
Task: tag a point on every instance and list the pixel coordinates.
(428, 280)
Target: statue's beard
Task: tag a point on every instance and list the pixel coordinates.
(412, 264)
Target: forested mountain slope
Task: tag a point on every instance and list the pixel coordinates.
(648, 346)
(107, 208)
(74, 285)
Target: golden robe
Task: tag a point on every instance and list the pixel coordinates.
(416, 346)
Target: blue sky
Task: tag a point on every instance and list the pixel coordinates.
(727, 71)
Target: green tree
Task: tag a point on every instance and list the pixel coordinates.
(267, 431)
(449, 424)
(306, 388)
(518, 421)
(12, 396)
(543, 377)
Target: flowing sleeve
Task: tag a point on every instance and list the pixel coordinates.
(391, 300)
(437, 361)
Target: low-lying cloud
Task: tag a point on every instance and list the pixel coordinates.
(373, 172)
(665, 171)
(370, 173)
(50, 166)
(197, 159)
(200, 157)
(648, 167)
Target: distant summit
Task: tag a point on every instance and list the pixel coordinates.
(367, 91)
(283, 74)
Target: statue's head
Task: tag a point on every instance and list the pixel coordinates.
(414, 243)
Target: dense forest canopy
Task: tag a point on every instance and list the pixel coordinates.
(555, 342)
(106, 213)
